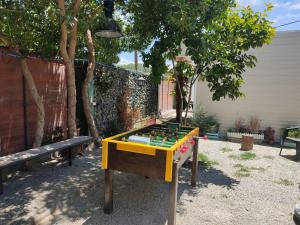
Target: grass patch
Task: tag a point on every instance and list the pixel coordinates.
(284, 182)
(226, 150)
(247, 156)
(206, 161)
(269, 157)
(244, 171)
(243, 156)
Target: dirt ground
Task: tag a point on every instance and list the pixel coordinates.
(232, 189)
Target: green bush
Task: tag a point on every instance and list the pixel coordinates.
(294, 133)
(206, 123)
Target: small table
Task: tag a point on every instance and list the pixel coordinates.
(297, 141)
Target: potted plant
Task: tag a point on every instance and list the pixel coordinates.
(253, 129)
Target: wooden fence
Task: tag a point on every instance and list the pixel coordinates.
(166, 100)
(17, 109)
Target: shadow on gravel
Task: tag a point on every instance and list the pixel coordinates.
(290, 157)
(55, 194)
(217, 177)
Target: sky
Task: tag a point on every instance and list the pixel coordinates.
(284, 11)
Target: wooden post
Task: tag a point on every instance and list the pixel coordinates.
(195, 163)
(1, 184)
(108, 192)
(173, 196)
(247, 142)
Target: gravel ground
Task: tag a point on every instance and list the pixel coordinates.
(58, 194)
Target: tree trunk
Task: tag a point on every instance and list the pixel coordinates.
(188, 102)
(71, 87)
(67, 50)
(85, 85)
(179, 98)
(179, 94)
(39, 132)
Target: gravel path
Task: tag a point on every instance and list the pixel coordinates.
(55, 194)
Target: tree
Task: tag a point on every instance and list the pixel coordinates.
(221, 52)
(89, 76)
(217, 36)
(100, 49)
(68, 42)
(44, 28)
(21, 24)
(165, 30)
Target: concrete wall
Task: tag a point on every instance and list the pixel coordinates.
(272, 88)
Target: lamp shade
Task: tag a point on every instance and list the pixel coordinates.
(110, 28)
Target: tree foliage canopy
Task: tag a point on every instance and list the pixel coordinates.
(217, 35)
(34, 28)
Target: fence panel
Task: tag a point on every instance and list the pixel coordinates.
(17, 108)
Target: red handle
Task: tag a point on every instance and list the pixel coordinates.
(184, 149)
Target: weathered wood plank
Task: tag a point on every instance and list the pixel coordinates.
(108, 192)
(195, 163)
(41, 151)
(293, 139)
(173, 196)
(144, 165)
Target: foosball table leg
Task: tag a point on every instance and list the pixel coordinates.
(195, 163)
(173, 196)
(108, 192)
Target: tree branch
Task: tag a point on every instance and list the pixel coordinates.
(89, 76)
(63, 30)
(74, 26)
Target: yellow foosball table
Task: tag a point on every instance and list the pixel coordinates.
(156, 151)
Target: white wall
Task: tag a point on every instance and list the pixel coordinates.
(272, 88)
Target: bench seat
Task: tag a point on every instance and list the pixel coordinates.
(34, 153)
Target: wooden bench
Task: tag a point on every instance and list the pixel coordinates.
(9, 160)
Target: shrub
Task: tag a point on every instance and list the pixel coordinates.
(207, 123)
(294, 133)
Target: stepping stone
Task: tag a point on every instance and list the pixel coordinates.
(297, 211)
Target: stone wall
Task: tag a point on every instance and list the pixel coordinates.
(110, 85)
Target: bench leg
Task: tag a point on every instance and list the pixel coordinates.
(297, 151)
(281, 145)
(1, 183)
(173, 196)
(108, 191)
(195, 163)
(70, 157)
